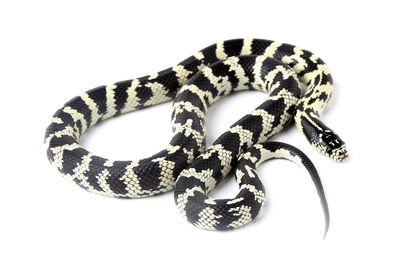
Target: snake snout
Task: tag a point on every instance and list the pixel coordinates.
(340, 154)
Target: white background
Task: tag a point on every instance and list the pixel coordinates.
(51, 52)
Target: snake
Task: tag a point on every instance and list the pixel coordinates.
(186, 165)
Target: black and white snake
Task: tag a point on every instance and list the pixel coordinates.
(185, 164)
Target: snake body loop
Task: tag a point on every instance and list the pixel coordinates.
(195, 84)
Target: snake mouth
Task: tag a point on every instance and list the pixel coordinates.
(340, 154)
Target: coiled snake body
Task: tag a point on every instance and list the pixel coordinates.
(185, 164)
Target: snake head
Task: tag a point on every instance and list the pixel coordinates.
(330, 144)
(326, 141)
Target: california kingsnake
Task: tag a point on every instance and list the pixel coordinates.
(193, 85)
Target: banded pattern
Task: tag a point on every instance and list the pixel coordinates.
(201, 177)
(225, 214)
(201, 80)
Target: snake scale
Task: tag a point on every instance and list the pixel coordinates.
(186, 165)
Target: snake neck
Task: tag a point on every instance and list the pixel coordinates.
(320, 136)
(309, 108)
